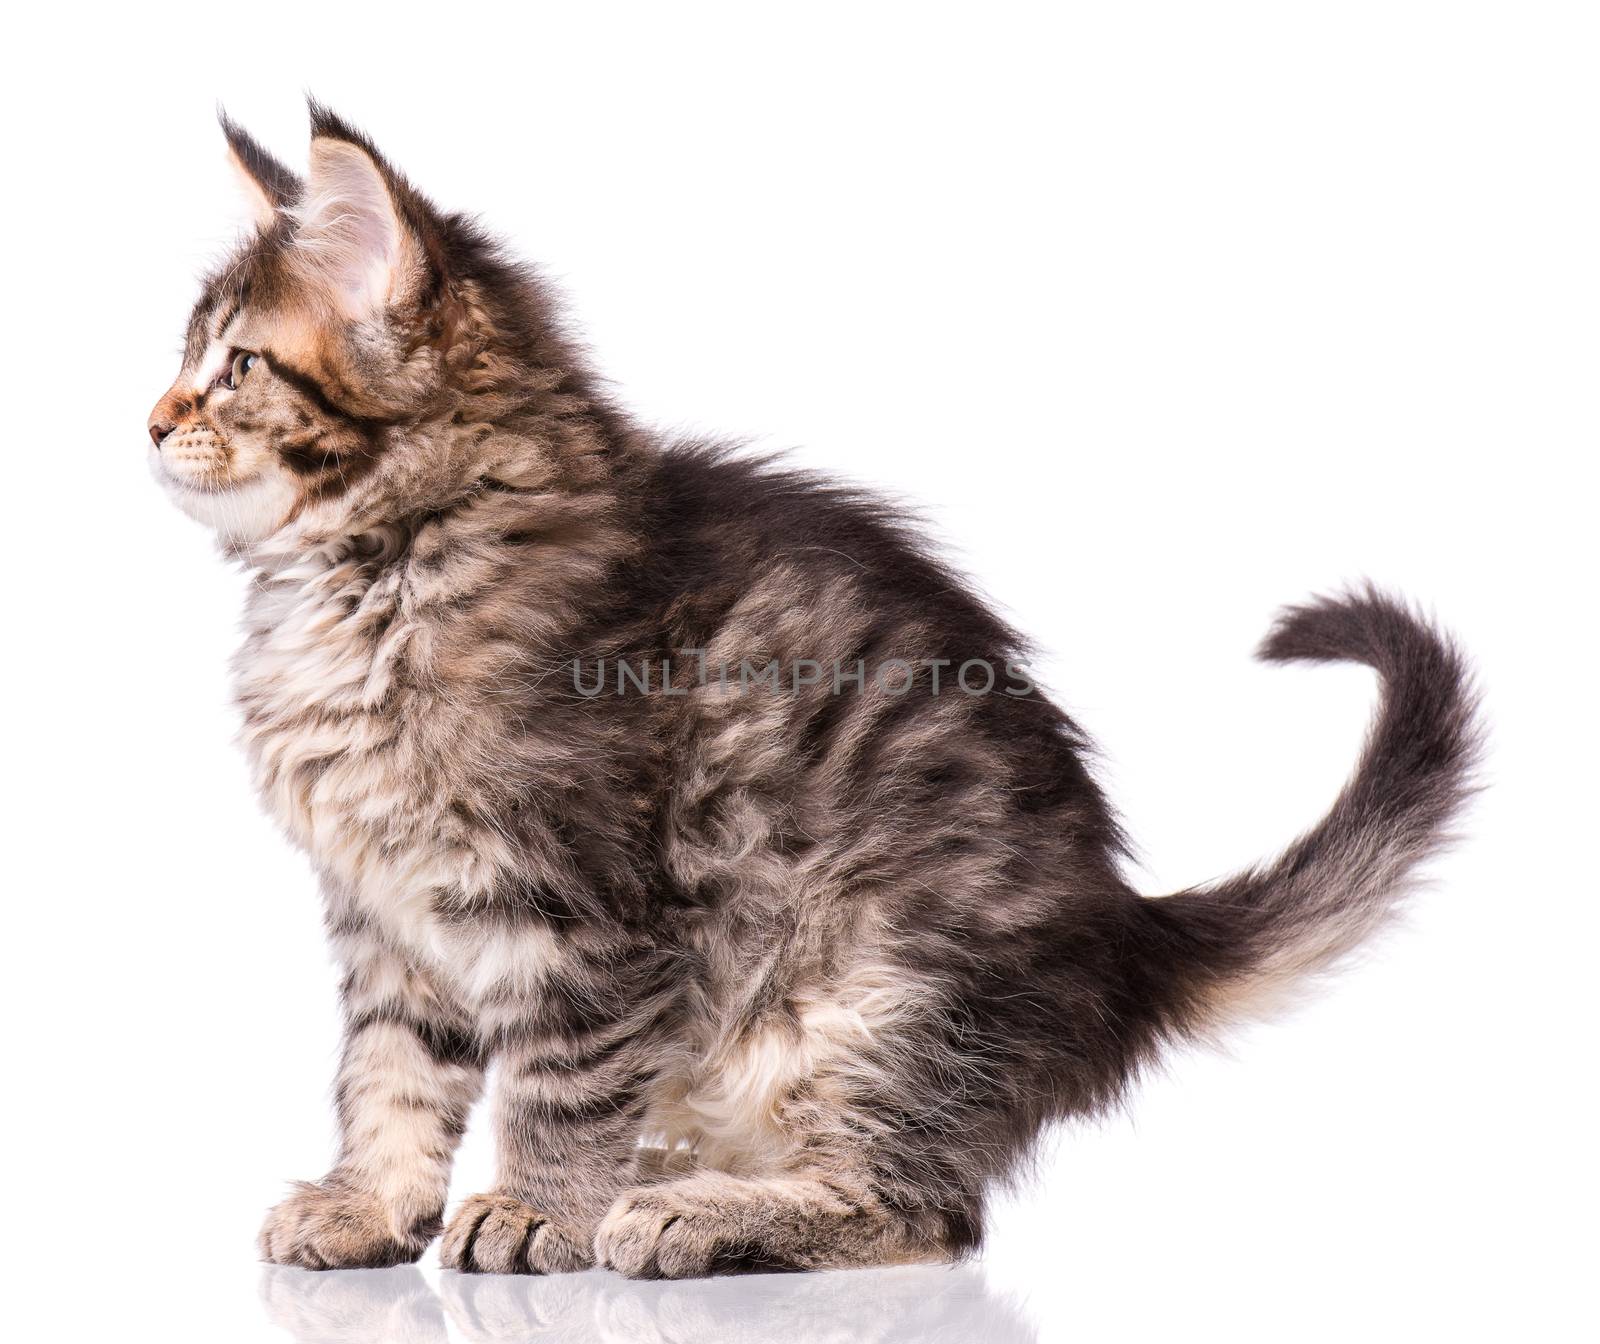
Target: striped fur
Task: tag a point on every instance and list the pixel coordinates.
(778, 975)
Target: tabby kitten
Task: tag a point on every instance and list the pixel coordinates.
(628, 766)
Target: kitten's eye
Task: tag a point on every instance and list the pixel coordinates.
(243, 362)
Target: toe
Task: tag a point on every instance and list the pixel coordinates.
(630, 1237)
(455, 1252)
(501, 1246)
(553, 1250)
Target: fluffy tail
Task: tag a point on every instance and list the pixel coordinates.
(1241, 942)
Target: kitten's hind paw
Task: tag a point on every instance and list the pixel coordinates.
(330, 1227)
(717, 1224)
(499, 1234)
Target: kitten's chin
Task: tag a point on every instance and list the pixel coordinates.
(240, 514)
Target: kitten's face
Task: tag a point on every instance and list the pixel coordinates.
(307, 364)
(247, 435)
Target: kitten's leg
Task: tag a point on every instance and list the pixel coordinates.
(409, 1073)
(845, 1161)
(570, 1098)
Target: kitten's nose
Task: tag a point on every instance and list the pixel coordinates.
(168, 412)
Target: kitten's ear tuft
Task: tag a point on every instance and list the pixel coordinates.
(269, 186)
(326, 124)
(358, 222)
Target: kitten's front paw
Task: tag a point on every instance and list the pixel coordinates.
(330, 1227)
(499, 1234)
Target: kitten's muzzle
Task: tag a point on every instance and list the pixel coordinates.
(168, 415)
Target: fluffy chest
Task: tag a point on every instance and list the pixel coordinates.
(359, 752)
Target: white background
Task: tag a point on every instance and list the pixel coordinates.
(1166, 315)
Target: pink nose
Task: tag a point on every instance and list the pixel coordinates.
(169, 411)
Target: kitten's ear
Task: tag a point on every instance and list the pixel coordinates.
(267, 184)
(357, 234)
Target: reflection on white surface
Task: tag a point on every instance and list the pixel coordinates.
(919, 1304)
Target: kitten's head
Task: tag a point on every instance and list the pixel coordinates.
(343, 366)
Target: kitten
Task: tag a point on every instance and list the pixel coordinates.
(628, 766)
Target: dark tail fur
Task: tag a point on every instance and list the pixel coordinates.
(1242, 941)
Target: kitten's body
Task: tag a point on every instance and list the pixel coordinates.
(832, 952)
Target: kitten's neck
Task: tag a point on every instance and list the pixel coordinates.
(553, 529)
(532, 469)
